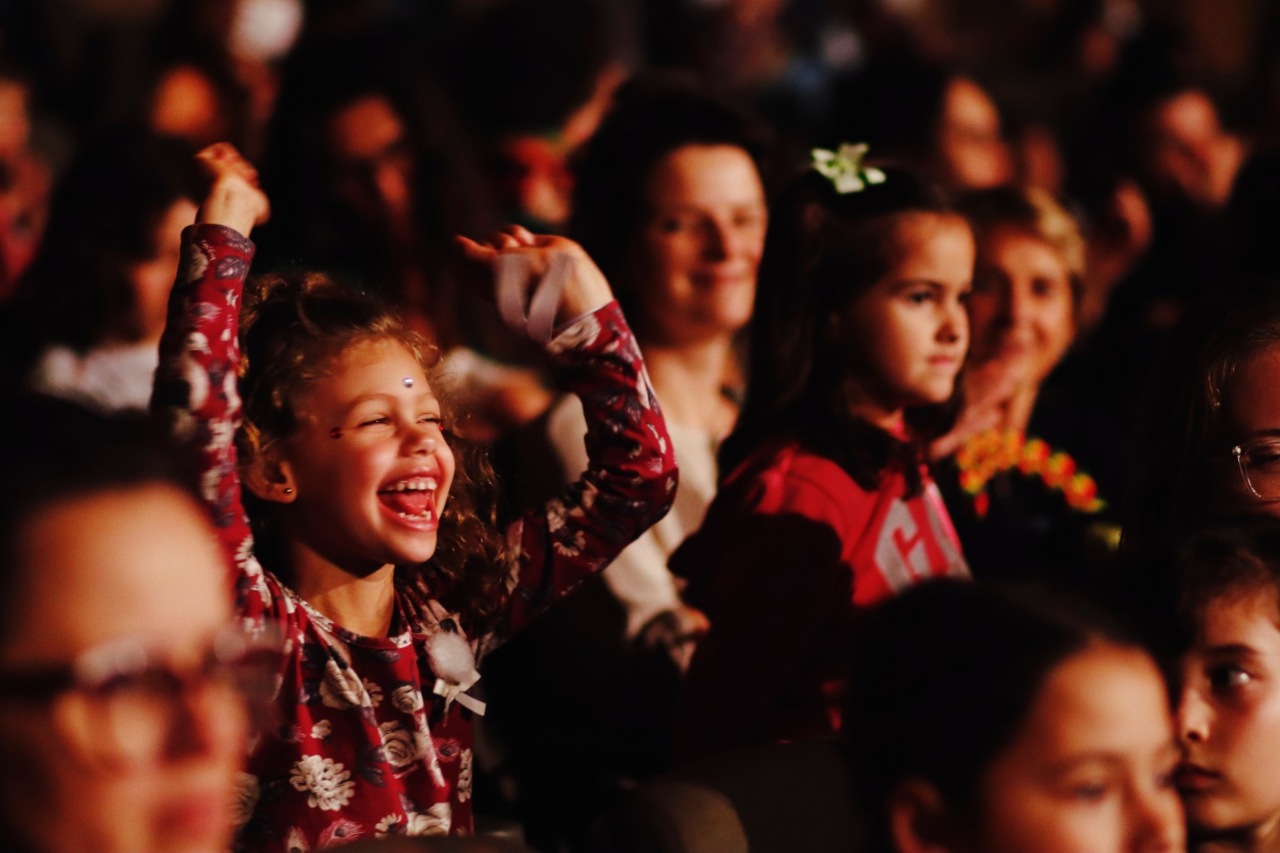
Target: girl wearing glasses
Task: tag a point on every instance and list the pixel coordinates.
(372, 541)
(122, 708)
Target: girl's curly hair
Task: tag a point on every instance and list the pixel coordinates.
(291, 328)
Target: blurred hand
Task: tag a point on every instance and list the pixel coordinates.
(988, 391)
(585, 290)
(677, 631)
(231, 195)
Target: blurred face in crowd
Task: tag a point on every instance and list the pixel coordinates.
(1250, 416)
(120, 757)
(1021, 307)
(152, 277)
(1187, 151)
(909, 332)
(1229, 716)
(698, 250)
(971, 151)
(373, 162)
(1090, 770)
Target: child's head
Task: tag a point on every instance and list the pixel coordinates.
(344, 442)
(1229, 709)
(1027, 280)
(859, 312)
(985, 721)
(1209, 443)
(120, 728)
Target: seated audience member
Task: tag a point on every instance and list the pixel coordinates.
(85, 323)
(1208, 444)
(826, 505)
(1228, 612)
(928, 117)
(1021, 503)
(371, 177)
(980, 721)
(122, 712)
(670, 204)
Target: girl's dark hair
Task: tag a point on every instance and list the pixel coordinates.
(652, 117)
(103, 218)
(944, 676)
(291, 329)
(823, 251)
(1240, 554)
(71, 453)
(1182, 427)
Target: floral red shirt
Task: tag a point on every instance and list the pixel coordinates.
(365, 747)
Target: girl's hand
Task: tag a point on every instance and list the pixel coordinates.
(231, 194)
(585, 290)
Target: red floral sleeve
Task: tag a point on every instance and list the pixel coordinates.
(195, 393)
(630, 480)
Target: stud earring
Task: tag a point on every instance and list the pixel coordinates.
(408, 382)
(288, 490)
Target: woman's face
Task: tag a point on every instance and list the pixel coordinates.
(373, 162)
(1229, 715)
(133, 566)
(1020, 310)
(971, 152)
(698, 250)
(153, 277)
(1091, 769)
(1250, 416)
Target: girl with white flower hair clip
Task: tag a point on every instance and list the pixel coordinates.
(364, 527)
(826, 505)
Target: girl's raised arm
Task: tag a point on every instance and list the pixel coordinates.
(631, 478)
(195, 393)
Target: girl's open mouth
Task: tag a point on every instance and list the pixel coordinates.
(411, 500)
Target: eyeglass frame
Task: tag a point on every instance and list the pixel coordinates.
(1238, 452)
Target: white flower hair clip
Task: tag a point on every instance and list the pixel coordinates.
(844, 168)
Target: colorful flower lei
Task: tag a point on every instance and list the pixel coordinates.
(994, 451)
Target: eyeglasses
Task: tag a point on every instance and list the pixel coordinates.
(1259, 462)
(123, 700)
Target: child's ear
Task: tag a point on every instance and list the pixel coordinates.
(270, 478)
(919, 820)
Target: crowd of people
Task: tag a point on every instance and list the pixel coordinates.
(900, 376)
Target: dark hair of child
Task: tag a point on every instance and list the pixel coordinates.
(652, 117)
(1236, 554)
(948, 671)
(823, 251)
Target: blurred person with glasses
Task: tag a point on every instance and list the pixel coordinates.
(1210, 444)
(125, 689)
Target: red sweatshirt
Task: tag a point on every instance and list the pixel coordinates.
(792, 549)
